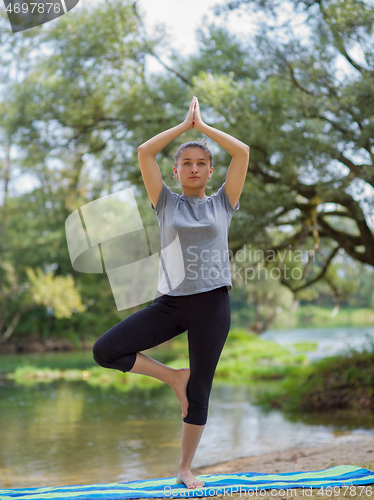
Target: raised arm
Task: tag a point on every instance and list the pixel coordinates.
(147, 152)
(239, 151)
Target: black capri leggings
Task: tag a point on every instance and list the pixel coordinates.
(205, 315)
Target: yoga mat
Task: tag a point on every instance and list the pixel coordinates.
(341, 476)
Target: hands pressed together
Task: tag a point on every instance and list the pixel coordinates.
(193, 118)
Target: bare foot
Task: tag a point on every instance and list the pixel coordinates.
(186, 477)
(180, 388)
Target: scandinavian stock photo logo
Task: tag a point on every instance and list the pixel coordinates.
(26, 14)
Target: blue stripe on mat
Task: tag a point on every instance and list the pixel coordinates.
(215, 484)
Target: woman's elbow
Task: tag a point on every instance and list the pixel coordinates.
(244, 150)
(144, 150)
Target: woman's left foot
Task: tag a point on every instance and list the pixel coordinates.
(186, 477)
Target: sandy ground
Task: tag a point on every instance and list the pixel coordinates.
(349, 450)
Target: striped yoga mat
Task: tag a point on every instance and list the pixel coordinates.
(340, 479)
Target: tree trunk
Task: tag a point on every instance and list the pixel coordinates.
(8, 332)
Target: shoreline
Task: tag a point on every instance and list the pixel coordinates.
(342, 450)
(349, 449)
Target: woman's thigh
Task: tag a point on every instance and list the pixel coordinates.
(208, 327)
(151, 326)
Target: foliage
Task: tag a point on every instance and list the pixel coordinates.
(55, 102)
(309, 126)
(347, 282)
(245, 357)
(262, 289)
(342, 381)
(57, 293)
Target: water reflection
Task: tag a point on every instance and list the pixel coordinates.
(71, 433)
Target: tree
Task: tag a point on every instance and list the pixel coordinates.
(86, 102)
(66, 101)
(57, 293)
(309, 126)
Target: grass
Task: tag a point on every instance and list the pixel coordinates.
(245, 358)
(278, 378)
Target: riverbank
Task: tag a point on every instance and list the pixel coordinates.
(349, 449)
(36, 345)
(305, 316)
(343, 450)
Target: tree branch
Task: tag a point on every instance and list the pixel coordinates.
(169, 68)
(295, 80)
(316, 278)
(346, 241)
(339, 42)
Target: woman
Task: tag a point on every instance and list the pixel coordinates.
(199, 302)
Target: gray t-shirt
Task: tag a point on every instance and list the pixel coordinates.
(194, 242)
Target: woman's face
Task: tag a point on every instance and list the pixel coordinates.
(193, 168)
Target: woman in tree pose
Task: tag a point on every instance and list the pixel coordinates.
(200, 301)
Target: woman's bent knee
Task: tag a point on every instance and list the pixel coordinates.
(105, 356)
(100, 354)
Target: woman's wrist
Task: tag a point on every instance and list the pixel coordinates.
(185, 125)
(200, 126)
(154, 145)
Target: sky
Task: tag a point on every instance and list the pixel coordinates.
(181, 19)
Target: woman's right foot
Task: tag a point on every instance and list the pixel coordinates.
(186, 477)
(180, 388)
